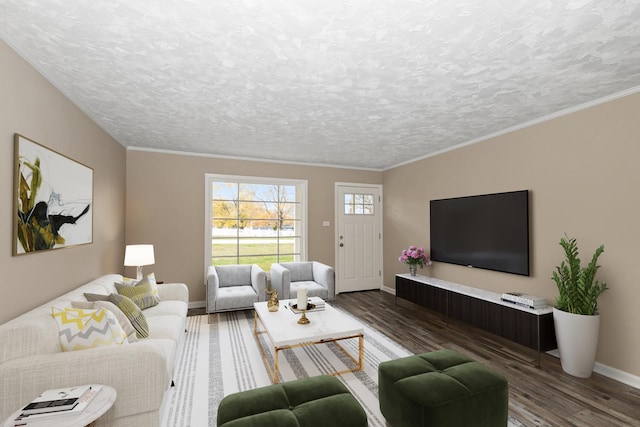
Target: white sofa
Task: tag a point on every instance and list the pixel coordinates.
(32, 360)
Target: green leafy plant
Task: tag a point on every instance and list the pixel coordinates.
(578, 289)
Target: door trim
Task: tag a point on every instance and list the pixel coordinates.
(337, 205)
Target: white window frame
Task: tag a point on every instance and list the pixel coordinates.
(301, 184)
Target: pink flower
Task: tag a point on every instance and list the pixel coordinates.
(415, 256)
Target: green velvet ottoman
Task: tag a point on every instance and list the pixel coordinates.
(309, 402)
(442, 389)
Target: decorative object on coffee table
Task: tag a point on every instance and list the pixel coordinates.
(575, 316)
(273, 304)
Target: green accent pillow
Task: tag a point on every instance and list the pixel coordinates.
(129, 308)
(152, 278)
(141, 293)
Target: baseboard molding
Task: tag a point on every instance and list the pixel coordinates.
(617, 374)
(388, 290)
(609, 372)
(197, 304)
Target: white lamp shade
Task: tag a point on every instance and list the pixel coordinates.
(138, 255)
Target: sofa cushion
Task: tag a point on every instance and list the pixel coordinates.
(313, 289)
(171, 307)
(234, 297)
(141, 293)
(234, 275)
(300, 271)
(81, 329)
(129, 308)
(124, 322)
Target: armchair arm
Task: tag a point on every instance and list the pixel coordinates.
(212, 285)
(259, 281)
(325, 276)
(281, 280)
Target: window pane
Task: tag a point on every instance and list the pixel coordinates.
(255, 223)
(257, 246)
(224, 209)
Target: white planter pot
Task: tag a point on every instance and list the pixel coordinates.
(577, 337)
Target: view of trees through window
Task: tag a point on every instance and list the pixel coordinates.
(253, 223)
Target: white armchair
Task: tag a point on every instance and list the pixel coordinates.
(318, 278)
(235, 287)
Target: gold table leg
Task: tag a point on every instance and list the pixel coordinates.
(274, 371)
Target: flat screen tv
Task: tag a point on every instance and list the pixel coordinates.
(489, 231)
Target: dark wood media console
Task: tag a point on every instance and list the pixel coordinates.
(480, 308)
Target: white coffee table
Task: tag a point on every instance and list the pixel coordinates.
(284, 332)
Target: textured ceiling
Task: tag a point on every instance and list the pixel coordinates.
(349, 83)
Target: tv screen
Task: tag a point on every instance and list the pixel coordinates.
(489, 231)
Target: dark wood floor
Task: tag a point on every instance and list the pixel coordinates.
(538, 396)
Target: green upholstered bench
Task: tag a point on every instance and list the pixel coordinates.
(321, 401)
(442, 388)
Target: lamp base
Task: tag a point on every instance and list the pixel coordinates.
(139, 273)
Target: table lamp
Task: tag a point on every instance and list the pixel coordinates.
(139, 256)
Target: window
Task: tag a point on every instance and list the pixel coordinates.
(358, 204)
(254, 220)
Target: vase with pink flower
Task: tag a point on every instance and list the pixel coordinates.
(414, 257)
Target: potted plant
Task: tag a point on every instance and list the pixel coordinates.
(414, 257)
(575, 315)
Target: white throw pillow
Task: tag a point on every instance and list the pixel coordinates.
(124, 322)
(81, 329)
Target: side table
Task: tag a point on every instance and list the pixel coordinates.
(95, 409)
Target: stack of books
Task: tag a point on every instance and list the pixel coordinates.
(57, 405)
(316, 304)
(317, 301)
(524, 300)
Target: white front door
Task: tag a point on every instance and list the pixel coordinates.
(359, 237)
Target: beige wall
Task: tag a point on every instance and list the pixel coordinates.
(32, 107)
(583, 174)
(581, 170)
(166, 207)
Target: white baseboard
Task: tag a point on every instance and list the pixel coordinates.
(197, 304)
(388, 290)
(609, 372)
(617, 374)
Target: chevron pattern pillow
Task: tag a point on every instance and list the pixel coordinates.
(129, 308)
(82, 329)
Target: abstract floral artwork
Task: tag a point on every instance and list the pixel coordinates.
(53, 199)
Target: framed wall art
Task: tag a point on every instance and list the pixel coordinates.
(53, 199)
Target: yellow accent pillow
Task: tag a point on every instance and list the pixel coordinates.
(81, 329)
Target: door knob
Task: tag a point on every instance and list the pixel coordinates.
(341, 244)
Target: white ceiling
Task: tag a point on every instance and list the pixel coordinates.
(360, 83)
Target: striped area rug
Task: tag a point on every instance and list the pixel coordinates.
(221, 356)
